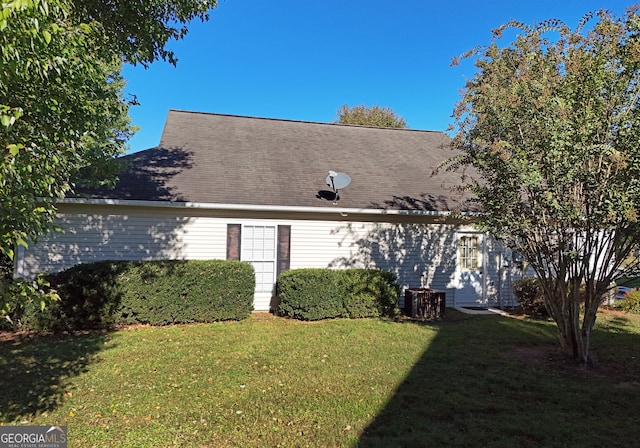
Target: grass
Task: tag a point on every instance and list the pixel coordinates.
(465, 381)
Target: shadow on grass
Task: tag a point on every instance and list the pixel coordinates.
(502, 382)
(35, 371)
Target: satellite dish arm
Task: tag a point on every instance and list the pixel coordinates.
(332, 175)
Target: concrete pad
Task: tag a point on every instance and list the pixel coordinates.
(481, 311)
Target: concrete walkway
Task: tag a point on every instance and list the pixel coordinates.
(481, 311)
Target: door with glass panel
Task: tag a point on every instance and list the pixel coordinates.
(259, 249)
(470, 283)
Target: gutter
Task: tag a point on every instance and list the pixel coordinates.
(257, 208)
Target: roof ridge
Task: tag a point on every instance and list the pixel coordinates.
(253, 117)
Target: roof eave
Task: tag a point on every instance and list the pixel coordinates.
(254, 207)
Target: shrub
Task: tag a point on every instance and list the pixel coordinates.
(369, 292)
(90, 295)
(529, 295)
(314, 294)
(103, 294)
(309, 294)
(631, 302)
(18, 296)
(172, 292)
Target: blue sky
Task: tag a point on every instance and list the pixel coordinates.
(303, 59)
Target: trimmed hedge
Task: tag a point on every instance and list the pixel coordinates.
(172, 292)
(314, 294)
(107, 293)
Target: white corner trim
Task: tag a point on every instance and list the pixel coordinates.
(18, 267)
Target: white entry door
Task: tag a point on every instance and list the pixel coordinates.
(470, 283)
(259, 248)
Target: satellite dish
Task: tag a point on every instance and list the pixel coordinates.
(337, 181)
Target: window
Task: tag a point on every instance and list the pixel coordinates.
(469, 252)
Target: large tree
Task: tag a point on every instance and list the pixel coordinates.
(380, 117)
(63, 115)
(549, 132)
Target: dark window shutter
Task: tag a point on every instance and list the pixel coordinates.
(284, 249)
(234, 233)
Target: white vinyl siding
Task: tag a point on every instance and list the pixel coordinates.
(133, 236)
(420, 255)
(317, 244)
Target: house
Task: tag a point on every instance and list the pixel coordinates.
(255, 189)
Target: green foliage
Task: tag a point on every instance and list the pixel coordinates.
(18, 296)
(314, 294)
(60, 98)
(547, 130)
(140, 30)
(369, 292)
(530, 296)
(15, 294)
(90, 295)
(63, 114)
(309, 294)
(376, 116)
(630, 303)
(173, 292)
(107, 293)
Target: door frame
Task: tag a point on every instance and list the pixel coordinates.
(262, 299)
(462, 291)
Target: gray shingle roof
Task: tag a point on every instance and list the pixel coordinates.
(213, 158)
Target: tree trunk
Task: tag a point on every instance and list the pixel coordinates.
(573, 339)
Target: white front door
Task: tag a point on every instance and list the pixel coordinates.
(470, 284)
(259, 248)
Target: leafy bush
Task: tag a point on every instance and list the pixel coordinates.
(529, 295)
(168, 292)
(309, 294)
(631, 302)
(314, 294)
(107, 293)
(90, 295)
(369, 292)
(19, 296)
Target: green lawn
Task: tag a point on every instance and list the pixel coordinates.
(465, 381)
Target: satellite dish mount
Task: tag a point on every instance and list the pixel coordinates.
(337, 181)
